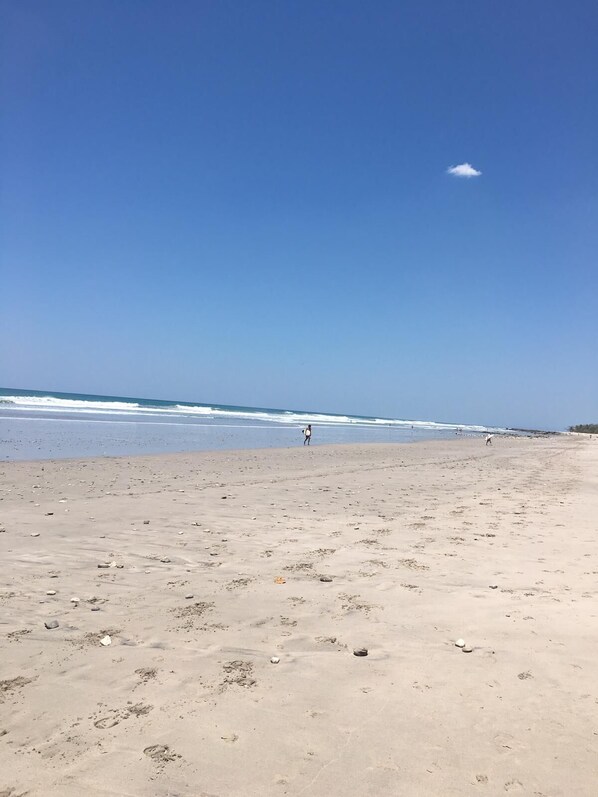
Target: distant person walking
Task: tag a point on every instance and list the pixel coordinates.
(489, 439)
(307, 435)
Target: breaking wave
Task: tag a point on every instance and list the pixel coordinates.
(131, 408)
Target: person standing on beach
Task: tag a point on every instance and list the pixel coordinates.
(489, 439)
(307, 433)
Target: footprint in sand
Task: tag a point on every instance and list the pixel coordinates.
(118, 715)
(160, 753)
(11, 684)
(239, 672)
(146, 673)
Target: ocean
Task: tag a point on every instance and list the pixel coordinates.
(37, 424)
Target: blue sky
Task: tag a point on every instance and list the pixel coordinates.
(249, 203)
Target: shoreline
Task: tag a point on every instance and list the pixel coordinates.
(477, 437)
(232, 452)
(185, 699)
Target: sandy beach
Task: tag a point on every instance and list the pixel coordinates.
(198, 569)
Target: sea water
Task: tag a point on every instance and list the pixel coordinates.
(45, 425)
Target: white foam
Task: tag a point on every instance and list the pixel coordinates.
(129, 409)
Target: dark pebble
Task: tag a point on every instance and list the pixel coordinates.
(95, 608)
(146, 522)
(51, 624)
(104, 565)
(360, 652)
(326, 579)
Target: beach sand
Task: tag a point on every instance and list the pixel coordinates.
(185, 701)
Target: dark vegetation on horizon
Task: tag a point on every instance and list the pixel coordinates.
(588, 428)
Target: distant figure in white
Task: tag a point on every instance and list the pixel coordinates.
(307, 434)
(489, 439)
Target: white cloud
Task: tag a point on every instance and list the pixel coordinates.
(463, 170)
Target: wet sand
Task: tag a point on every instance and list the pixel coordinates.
(424, 544)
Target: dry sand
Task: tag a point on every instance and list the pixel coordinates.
(185, 700)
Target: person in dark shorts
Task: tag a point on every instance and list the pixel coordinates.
(307, 434)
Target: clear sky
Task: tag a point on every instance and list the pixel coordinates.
(249, 203)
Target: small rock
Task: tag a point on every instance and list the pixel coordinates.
(35, 534)
(51, 624)
(105, 641)
(146, 522)
(104, 565)
(95, 608)
(51, 592)
(75, 600)
(460, 643)
(493, 586)
(120, 567)
(360, 652)
(165, 561)
(274, 660)
(466, 649)
(195, 523)
(49, 513)
(224, 497)
(188, 597)
(326, 579)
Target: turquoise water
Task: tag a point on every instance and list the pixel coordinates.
(37, 424)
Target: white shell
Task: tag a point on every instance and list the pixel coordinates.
(105, 641)
(467, 649)
(460, 643)
(75, 600)
(51, 592)
(275, 660)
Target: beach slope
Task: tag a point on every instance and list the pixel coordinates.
(232, 589)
